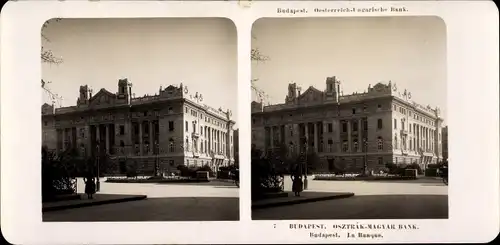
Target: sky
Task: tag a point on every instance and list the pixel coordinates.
(409, 51)
(201, 53)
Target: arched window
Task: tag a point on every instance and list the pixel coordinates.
(380, 143)
(395, 142)
(187, 144)
(187, 126)
(170, 110)
(171, 145)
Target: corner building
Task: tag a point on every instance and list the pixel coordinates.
(382, 125)
(170, 128)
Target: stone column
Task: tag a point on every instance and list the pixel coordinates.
(336, 135)
(306, 134)
(349, 140)
(361, 143)
(98, 136)
(88, 142)
(140, 138)
(63, 139)
(316, 137)
(420, 136)
(107, 138)
(217, 143)
(151, 138)
(271, 137)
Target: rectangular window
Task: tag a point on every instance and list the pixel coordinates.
(380, 161)
(344, 127)
(170, 126)
(379, 123)
(330, 127)
(122, 130)
(187, 126)
(395, 123)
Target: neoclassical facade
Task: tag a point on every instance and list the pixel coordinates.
(379, 126)
(170, 128)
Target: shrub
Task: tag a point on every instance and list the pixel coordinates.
(264, 178)
(184, 171)
(432, 172)
(206, 168)
(223, 175)
(415, 166)
(56, 178)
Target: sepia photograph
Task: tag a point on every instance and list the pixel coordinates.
(349, 118)
(138, 120)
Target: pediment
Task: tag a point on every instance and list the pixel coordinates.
(102, 98)
(171, 87)
(311, 94)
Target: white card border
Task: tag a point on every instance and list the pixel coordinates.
(472, 43)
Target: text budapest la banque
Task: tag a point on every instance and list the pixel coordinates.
(357, 131)
(172, 127)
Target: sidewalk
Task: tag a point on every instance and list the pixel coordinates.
(99, 199)
(305, 197)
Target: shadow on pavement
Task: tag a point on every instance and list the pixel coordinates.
(210, 183)
(154, 209)
(229, 186)
(416, 181)
(362, 207)
(433, 184)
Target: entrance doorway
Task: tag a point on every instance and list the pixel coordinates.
(331, 165)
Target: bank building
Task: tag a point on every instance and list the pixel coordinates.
(168, 129)
(354, 132)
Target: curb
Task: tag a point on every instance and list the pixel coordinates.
(88, 204)
(298, 201)
(157, 181)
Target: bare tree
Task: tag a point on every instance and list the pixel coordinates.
(49, 58)
(257, 56)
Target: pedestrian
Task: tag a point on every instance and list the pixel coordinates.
(89, 186)
(297, 183)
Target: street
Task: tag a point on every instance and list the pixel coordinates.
(166, 202)
(419, 199)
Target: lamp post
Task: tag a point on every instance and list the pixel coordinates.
(98, 183)
(157, 164)
(305, 163)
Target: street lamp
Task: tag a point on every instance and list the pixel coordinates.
(98, 183)
(157, 164)
(305, 163)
